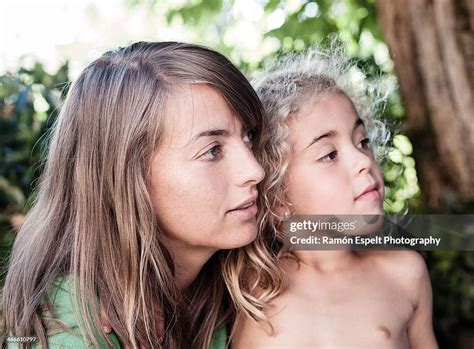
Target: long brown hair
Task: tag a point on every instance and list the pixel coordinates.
(93, 219)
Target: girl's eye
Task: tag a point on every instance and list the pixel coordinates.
(365, 143)
(329, 157)
(249, 136)
(212, 154)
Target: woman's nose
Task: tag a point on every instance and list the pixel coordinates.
(248, 169)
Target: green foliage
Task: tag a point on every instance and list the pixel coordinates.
(452, 278)
(197, 12)
(29, 101)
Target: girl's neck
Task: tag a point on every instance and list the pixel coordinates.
(327, 261)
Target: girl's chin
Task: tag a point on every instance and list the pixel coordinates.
(373, 212)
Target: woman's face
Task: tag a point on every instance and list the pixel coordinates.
(204, 174)
(333, 170)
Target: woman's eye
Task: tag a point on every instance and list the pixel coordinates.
(329, 157)
(365, 143)
(249, 136)
(212, 154)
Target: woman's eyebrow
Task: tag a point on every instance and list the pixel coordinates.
(209, 133)
(333, 133)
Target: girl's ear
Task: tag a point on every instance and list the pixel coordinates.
(283, 211)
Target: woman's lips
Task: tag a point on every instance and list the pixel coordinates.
(245, 213)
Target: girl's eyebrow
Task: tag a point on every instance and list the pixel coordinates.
(333, 133)
(326, 134)
(358, 123)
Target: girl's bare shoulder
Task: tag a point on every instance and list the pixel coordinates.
(403, 261)
(404, 267)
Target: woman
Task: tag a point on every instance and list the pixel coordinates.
(149, 184)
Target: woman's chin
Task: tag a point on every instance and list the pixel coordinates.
(240, 238)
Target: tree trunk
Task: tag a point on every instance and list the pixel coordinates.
(432, 45)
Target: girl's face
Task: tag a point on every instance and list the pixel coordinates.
(204, 174)
(333, 170)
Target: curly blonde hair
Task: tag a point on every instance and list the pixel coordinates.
(283, 88)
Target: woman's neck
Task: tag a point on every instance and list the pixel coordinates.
(188, 260)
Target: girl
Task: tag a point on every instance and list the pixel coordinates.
(320, 162)
(148, 194)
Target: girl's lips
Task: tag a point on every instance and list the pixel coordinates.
(370, 195)
(245, 213)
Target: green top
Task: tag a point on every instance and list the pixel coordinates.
(219, 339)
(61, 299)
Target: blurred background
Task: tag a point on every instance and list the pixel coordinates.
(425, 47)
